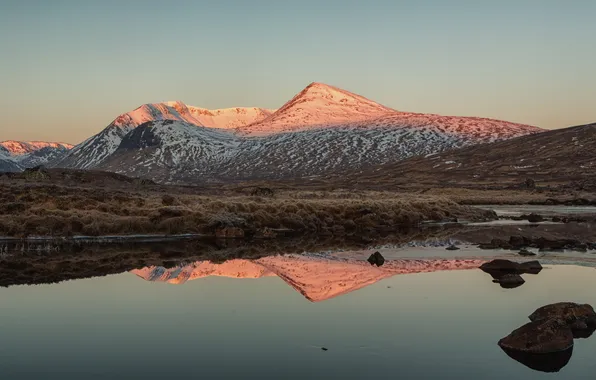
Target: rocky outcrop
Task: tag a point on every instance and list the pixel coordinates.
(580, 318)
(546, 343)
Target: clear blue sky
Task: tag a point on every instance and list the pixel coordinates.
(69, 67)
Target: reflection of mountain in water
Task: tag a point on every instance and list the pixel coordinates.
(317, 279)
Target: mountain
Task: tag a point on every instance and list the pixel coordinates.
(318, 105)
(33, 153)
(93, 151)
(323, 130)
(558, 157)
(317, 279)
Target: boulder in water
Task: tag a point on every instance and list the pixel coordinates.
(581, 318)
(540, 337)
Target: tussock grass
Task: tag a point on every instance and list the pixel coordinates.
(64, 211)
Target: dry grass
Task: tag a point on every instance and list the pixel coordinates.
(65, 211)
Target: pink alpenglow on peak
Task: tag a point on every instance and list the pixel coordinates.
(318, 105)
(18, 148)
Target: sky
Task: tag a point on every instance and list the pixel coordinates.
(69, 67)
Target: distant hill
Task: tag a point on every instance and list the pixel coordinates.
(26, 154)
(561, 157)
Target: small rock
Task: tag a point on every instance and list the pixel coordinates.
(534, 218)
(452, 248)
(557, 219)
(376, 259)
(525, 252)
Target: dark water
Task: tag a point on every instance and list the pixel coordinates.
(441, 325)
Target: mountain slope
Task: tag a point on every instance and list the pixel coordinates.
(7, 162)
(170, 150)
(556, 157)
(318, 105)
(357, 146)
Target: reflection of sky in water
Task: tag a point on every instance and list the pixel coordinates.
(436, 325)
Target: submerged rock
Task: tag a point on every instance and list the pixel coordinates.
(510, 281)
(540, 337)
(452, 248)
(376, 259)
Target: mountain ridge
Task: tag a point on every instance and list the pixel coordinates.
(26, 154)
(348, 131)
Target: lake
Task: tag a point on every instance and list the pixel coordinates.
(272, 318)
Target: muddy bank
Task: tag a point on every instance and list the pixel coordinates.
(582, 232)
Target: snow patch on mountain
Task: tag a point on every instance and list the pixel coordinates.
(229, 118)
(169, 149)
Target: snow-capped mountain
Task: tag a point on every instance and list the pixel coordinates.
(93, 151)
(321, 130)
(33, 153)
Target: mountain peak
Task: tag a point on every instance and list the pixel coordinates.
(318, 105)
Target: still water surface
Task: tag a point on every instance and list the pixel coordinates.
(440, 325)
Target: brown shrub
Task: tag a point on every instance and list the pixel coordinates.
(168, 200)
